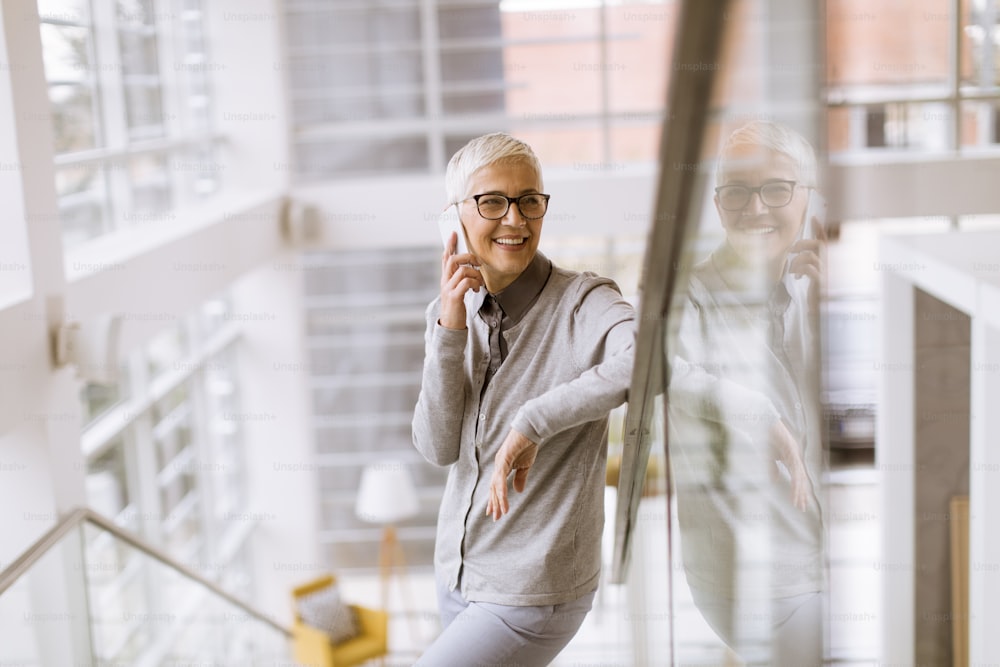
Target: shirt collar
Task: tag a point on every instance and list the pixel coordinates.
(516, 298)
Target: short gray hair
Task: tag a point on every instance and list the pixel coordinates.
(483, 151)
(778, 138)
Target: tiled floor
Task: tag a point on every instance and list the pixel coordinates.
(629, 627)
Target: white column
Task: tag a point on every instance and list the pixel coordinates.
(895, 461)
(984, 480)
(277, 431)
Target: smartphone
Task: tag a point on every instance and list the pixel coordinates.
(448, 222)
(815, 209)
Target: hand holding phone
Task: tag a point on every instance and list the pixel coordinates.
(815, 210)
(456, 279)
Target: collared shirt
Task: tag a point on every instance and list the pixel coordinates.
(503, 310)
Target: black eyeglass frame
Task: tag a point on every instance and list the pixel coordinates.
(510, 200)
(759, 192)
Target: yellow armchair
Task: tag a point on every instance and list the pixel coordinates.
(311, 646)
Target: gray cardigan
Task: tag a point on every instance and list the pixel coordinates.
(569, 364)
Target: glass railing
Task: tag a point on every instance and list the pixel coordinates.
(731, 561)
(90, 594)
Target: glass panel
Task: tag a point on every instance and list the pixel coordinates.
(473, 101)
(980, 39)
(568, 144)
(213, 316)
(107, 480)
(860, 55)
(925, 127)
(135, 13)
(534, 66)
(225, 464)
(144, 110)
(72, 11)
(355, 399)
(478, 66)
(350, 106)
(745, 424)
(200, 169)
(144, 612)
(138, 51)
(82, 203)
(361, 156)
(469, 22)
(163, 354)
(66, 52)
(642, 34)
(327, 24)
(74, 121)
(356, 71)
(372, 433)
(381, 356)
(150, 184)
(635, 141)
(980, 125)
(365, 358)
(72, 71)
(44, 614)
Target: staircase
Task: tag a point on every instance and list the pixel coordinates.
(89, 593)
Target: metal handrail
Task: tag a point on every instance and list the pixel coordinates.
(44, 544)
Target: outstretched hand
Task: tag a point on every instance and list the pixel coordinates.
(517, 454)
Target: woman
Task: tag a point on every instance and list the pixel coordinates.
(524, 361)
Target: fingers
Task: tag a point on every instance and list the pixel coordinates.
(806, 263)
(456, 280)
(497, 504)
(517, 454)
(520, 479)
(806, 245)
(800, 490)
(460, 272)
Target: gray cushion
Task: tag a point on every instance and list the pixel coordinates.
(324, 610)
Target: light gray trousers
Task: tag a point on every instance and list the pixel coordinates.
(482, 634)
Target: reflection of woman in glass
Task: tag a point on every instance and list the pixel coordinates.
(744, 406)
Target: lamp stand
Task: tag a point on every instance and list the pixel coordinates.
(391, 559)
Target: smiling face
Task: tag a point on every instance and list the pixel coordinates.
(758, 233)
(504, 247)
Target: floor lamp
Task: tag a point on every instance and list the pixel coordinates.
(387, 496)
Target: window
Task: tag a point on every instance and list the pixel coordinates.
(366, 351)
(131, 110)
(399, 87)
(164, 458)
(901, 80)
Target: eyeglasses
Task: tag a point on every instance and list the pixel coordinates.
(773, 194)
(494, 207)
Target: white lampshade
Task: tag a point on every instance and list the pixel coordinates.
(386, 493)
